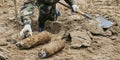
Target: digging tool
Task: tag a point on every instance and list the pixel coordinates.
(102, 23)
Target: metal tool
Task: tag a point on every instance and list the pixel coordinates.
(103, 23)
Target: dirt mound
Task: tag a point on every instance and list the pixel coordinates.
(85, 41)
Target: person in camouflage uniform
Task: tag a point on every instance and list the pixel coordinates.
(47, 11)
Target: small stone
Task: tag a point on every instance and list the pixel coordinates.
(11, 18)
(3, 24)
(3, 43)
(0, 5)
(10, 5)
(108, 33)
(13, 41)
(113, 37)
(90, 50)
(75, 46)
(4, 12)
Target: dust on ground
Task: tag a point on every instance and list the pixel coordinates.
(96, 44)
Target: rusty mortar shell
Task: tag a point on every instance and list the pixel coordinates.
(51, 48)
(34, 40)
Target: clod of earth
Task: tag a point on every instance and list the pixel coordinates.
(80, 38)
(92, 27)
(3, 43)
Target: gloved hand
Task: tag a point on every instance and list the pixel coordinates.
(26, 31)
(74, 8)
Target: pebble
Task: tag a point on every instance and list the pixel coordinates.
(3, 43)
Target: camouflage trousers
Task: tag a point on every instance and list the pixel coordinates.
(46, 12)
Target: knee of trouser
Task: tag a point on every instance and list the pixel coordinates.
(41, 27)
(41, 22)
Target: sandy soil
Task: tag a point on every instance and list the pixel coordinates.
(94, 43)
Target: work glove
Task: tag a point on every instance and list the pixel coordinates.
(74, 8)
(26, 31)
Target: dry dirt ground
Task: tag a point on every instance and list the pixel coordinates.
(94, 43)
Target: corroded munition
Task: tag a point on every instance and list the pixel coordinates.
(51, 48)
(41, 38)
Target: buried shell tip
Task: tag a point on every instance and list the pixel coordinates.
(42, 54)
